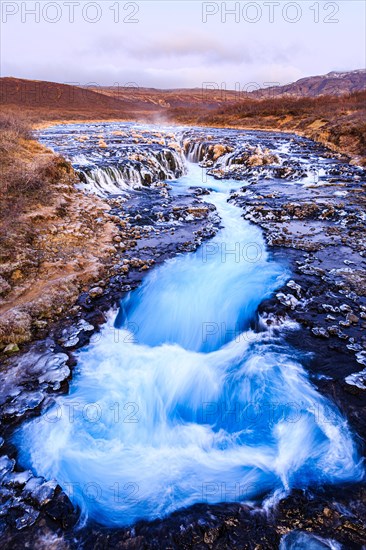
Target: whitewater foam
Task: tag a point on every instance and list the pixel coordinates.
(180, 401)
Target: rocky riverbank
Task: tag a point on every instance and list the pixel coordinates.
(67, 239)
(311, 208)
(310, 205)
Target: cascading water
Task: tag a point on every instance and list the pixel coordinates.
(179, 401)
(153, 166)
(114, 158)
(198, 301)
(196, 151)
(111, 179)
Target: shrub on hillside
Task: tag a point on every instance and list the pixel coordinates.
(29, 176)
(18, 125)
(13, 128)
(34, 178)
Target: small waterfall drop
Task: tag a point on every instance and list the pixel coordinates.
(152, 166)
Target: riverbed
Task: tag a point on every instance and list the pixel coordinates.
(192, 393)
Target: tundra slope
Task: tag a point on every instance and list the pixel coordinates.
(327, 108)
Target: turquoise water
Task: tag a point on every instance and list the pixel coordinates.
(179, 401)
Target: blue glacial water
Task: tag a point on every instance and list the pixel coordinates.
(179, 401)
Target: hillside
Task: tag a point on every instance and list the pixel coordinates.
(51, 242)
(50, 100)
(180, 97)
(337, 122)
(336, 119)
(43, 101)
(333, 83)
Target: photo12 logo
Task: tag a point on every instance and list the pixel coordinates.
(224, 90)
(93, 492)
(269, 12)
(238, 252)
(92, 413)
(69, 11)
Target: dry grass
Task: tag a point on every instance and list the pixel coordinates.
(29, 175)
(54, 240)
(338, 122)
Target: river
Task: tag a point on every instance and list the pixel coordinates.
(187, 396)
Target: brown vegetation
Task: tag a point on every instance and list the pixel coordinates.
(29, 175)
(49, 101)
(51, 243)
(335, 120)
(338, 122)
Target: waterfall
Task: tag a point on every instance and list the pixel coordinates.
(196, 151)
(179, 401)
(110, 180)
(226, 160)
(121, 176)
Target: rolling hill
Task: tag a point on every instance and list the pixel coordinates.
(333, 83)
(329, 108)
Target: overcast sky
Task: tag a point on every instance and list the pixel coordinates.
(168, 44)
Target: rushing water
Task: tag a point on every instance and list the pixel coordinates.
(179, 401)
(114, 158)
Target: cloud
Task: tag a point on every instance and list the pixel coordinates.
(186, 46)
(191, 49)
(171, 47)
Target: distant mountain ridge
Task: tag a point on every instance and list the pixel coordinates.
(334, 83)
(329, 108)
(37, 94)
